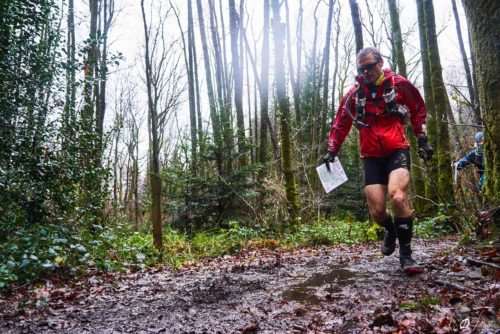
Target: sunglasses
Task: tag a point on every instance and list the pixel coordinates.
(367, 67)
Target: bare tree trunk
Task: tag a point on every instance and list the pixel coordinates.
(468, 77)
(223, 86)
(192, 97)
(315, 110)
(397, 38)
(154, 149)
(201, 140)
(284, 112)
(326, 78)
(336, 67)
(219, 65)
(237, 80)
(356, 21)
(89, 67)
(69, 108)
(295, 82)
(108, 14)
(264, 92)
(224, 55)
(189, 61)
(211, 98)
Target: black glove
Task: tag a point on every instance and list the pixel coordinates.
(424, 149)
(329, 157)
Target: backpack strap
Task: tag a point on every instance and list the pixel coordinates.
(391, 106)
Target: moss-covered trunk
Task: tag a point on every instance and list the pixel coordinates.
(483, 17)
(443, 109)
(416, 172)
(284, 113)
(430, 172)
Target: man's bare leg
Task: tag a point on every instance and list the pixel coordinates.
(399, 180)
(376, 196)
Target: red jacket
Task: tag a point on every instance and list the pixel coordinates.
(386, 133)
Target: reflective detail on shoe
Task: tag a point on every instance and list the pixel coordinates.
(404, 226)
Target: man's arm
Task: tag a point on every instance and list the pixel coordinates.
(468, 159)
(342, 123)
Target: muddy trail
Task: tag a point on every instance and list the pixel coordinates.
(339, 289)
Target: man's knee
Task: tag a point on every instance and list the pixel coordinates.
(399, 199)
(379, 214)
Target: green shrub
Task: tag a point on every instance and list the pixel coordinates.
(38, 251)
(434, 227)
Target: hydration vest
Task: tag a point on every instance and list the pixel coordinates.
(389, 97)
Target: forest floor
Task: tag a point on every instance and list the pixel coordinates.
(334, 289)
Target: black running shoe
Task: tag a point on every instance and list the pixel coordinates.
(389, 244)
(409, 266)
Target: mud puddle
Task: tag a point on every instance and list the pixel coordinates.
(321, 286)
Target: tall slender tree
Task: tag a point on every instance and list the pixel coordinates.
(443, 108)
(189, 63)
(284, 114)
(416, 173)
(237, 80)
(431, 188)
(69, 108)
(295, 81)
(326, 76)
(465, 60)
(264, 91)
(154, 148)
(356, 21)
(214, 115)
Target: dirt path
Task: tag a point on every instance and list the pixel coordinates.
(350, 289)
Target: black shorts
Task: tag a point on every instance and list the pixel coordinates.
(377, 170)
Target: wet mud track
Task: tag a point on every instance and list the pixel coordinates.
(341, 289)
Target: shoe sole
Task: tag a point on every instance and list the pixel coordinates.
(413, 271)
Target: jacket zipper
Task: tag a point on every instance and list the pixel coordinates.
(376, 128)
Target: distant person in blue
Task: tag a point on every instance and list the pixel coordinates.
(476, 158)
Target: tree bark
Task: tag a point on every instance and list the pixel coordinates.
(192, 97)
(443, 109)
(154, 149)
(69, 108)
(295, 82)
(284, 113)
(482, 17)
(237, 81)
(216, 128)
(356, 21)
(431, 188)
(326, 78)
(468, 77)
(107, 18)
(416, 173)
(264, 92)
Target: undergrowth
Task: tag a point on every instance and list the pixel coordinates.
(35, 252)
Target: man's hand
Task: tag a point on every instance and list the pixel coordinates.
(424, 150)
(329, 157)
